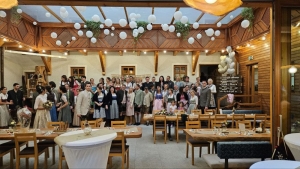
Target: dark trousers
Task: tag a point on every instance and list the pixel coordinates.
(85, 117)
(13, 114)
(202, 109)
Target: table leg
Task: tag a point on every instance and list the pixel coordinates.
(169, 134)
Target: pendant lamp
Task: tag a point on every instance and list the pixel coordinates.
(7, 4)
(214, 7)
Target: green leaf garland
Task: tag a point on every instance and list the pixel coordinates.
(182, 29)
(94, 27)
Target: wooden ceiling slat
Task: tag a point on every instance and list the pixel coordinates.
(200, 16)
(126, 14)
(78, 13)
(53, 13)
(102, 13)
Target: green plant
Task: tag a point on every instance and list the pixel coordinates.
(183, 29)
(94, 27)
(15, 16)
(141, 24)
(248, 14)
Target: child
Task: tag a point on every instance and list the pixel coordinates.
(173, 107)
(181, 106)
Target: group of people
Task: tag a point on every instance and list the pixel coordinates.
(113, 99)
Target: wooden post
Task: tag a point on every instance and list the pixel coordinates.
(102, 61)
(2, 66)
(195, 57)
(156, 62)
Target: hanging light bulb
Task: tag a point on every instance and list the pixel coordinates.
(292, 69)
(211, 1)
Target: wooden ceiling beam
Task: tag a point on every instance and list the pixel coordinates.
(220, 18)
(102, 61)
(177, 9)
(53, 13)
(200, 16)
(132, 3)
(121, 52)
(195, 57)
(78, 13)
(156, 62)
(84, 52)
(126, 14)
(47, 63)
(211, 52)
(152, 10)
(138, 53)
(102, 13)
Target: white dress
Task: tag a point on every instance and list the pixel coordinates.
(41, 116)
(4, 113)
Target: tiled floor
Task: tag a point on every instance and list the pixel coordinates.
(143, 154)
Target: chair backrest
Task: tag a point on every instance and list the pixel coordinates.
(208, 111)
(216, 123)
(246, 122)
(220, 117)
(193, 124)
(98, 122)
(120, 137)
(25, 137)
(196, 111)
(260, 117)
(237, 117)
(93, 124)
(204, 117)
(118, 123)
(60, 125)
(160, 118)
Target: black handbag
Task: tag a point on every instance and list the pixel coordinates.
(282, 151)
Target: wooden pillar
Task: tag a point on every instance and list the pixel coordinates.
(102, 61)
(195, 57)
(2, 66)
(156, 62)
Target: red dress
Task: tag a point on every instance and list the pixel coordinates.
(75, 88)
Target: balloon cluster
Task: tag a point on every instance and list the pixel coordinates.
(227, 62)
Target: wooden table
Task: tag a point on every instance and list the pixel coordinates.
(40, 135)
(207, 135)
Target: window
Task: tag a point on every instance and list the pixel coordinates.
(128, 70)
(180, 70)
(77, 72)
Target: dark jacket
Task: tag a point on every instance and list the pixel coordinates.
(145, 84)
(70, 97)
(170, 83)
(120, 95)
(109, 98)
(16, 97)
(82, 85)
(95, 99)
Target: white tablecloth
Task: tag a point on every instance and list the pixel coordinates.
(293, 141)
(276, 164)
(88, 153)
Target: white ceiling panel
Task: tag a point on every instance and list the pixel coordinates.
(72, 18)
(90, 12)
(114, 13)
(143, 11)
(38, 13)
(164, 15)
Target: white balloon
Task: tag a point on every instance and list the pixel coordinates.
(68, 42)
(73, 38)
(65, 14)
(81, 8)
(80, 33)
(53, 35)
(19, 10)
(93, 40)
(196, 25)
(245, 23)
(231, 55)
(96, 18)
(228, 60)
(165, 27)
(84, 26)
(77, 26)
(112, 28)
(47, 14)
(151, 18)
(106, 31)
(178, 34)
(230, 71)
(212, 38)
(2, 14)
(138, 15)
(63, 9)
(184, 19)
(136, 30)
(141, 30)
(232, 65)
(132, 15)
(217, 33)
(135, 34)
(228, 49)
(209, 32)
(133, 19)
(112, 34)
(34, 23)
(223, 63)
(122, 22)
(219, 24)
(231, 16)
(108, 22)
(132, 24)
(123, 35)
(149, 27)
(89, 34)
(58, 42)
(101, 26)
(171, 28)
(178, 15)
(191, 40)
(199, 36)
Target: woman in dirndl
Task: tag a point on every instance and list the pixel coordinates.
(99, 99)
(158, 99)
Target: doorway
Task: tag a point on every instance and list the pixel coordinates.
(252, 81)
(208, 71)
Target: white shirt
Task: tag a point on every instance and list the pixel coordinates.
(40, 100)
(3, 96)
(213, 89)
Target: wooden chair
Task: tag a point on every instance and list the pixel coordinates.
(119, 150)
(51, 125)
(208, 111)
(6, 150)
(258, 118)
(246, 122)
(218, 120)
(204, 117)
(92, 123)
(155, 111)
(61, 158)
(179, 112)
(237, 117)
(118, 123)
(180, 125)
(98, 122)
(28, 152)
(157, 127)
(194, 143)
(196, 113)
